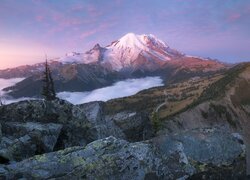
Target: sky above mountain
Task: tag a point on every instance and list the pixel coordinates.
(29, 29)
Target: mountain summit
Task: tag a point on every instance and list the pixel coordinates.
(130, 52)
(138, 51)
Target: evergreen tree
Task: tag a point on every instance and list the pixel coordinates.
(1, 102)
(155, 121)
(1, 99)
(48, 90)
(52, 88)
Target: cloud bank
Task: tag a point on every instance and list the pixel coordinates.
(7, 83)
(120, 89)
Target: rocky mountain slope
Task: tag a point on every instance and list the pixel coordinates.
(225, 103)
(206, 139)
(67, 77)
(130, 56)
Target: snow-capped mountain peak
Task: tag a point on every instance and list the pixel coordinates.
(152, 39)
(130, 40)
(131, 51)
(137, 51)
(141, 42)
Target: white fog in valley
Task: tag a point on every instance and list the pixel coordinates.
(7, 83)
(120, 89)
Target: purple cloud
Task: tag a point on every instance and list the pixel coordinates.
(191, 26)
(234, 17)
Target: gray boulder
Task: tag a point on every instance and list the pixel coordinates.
(57, 111)
(214, 146)
(99, 127)
(82, 124)
(131, 126)
(17, 149)
(135, 126)
(165, 157)
(23, 140)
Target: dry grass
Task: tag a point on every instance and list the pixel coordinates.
(188, 91)
(180, 95)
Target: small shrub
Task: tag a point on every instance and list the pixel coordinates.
(155, 121)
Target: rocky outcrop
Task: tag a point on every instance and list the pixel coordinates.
(208, 145)
(81, 124)
(173, 157)
(99, 126)
(57, 111)
(23, 140)
(46, 133)
(204, 115)
(135, 126)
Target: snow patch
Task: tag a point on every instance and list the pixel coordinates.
(72, 57)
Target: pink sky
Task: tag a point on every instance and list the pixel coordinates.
(31, 28)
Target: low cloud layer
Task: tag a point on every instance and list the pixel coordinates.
(120, 89)
(7, 83)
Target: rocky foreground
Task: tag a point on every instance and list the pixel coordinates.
(56, 140)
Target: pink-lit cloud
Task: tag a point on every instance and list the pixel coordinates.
(88, 33)
(39, 18)
(93, 11)
(90, 9)
(234, 17)
(118, 2)
(100, 28)
(77, 7)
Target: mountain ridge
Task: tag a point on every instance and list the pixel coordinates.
(209, 140)
(131, 56)
(131, 51)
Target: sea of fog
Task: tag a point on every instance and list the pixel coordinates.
(7, 83)
(119, 89)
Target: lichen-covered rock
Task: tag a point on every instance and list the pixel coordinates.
(82, 124)
(23, 140)
(17, 149)
(57, 111)
(130, 126)
(108, 158)
(169, 157)
(136, 126)
(44, 134)
(93, 111)
(99, 126)
(206, 145)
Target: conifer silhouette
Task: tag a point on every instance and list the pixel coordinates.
(48, 91)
